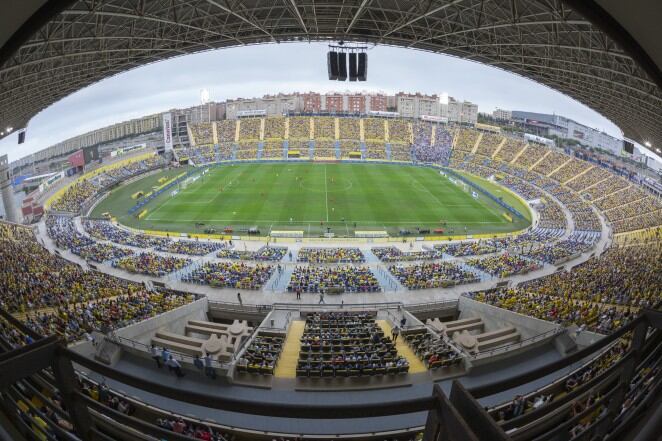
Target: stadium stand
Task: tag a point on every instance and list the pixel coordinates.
(530, 156)
(58, 297)
(246, 150)
(569, 170)
(89, 185)
(432, 349)
(588, 179)
(325, 129)
(373, 129)
(261, 356)
(226, 130)
(202, 134)
(266, 253)
(489, 144)
(106, 230)
(510, 149)
(460, 249)
(189, 247)
(324, 149)
(337, 279)
(272, 150)
(503, 265)
(303, 147)
(431, 275)
(299, 128)
(249, 129)
(330, 255)
(393, 254)
(399, 131)
(550, 162)
(231, 275)
(151, 264)
(349, 129)
(466, 140)
(274, 128)
(346, 344)
(375, 150)
(605, 188)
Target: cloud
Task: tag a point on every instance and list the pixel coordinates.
(267, 69)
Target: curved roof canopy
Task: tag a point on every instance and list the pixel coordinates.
(599, 52)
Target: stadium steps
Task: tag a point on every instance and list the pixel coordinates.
(579, 174)
(631, 186)
(569, 160)
(370, 257)
(540, 160)
(477, 143)
(518, 154)
(499, 147)
(278, 283)
(289, 356)
(176, 276)
(416, 366)
(595, 184)
(483, 275)
(386, 279)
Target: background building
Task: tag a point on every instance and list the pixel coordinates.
(462, 112)
(547, 125)
(502, 115)
(273, 105)
(415, 105)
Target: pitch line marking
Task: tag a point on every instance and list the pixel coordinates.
(285, 221)
(326, 195)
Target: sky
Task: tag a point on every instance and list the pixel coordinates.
(292, 67)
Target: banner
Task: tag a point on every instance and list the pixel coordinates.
(167, 131)
(77, 159)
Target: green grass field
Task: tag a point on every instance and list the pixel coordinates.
(313, 197)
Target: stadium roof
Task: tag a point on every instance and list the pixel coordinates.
(606, 54)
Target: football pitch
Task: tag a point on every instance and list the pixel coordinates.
(317, 198)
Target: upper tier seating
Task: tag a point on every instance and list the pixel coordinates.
(226, 130)
(249, 129)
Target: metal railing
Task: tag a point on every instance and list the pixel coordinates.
(143, 347)
(444, 415)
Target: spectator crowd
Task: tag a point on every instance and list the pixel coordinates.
(320, 279)
(230, 275)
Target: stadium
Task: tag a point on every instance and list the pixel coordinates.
(298, 267)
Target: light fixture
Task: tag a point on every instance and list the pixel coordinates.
(9, 129)
(658, 150)
(647, 143)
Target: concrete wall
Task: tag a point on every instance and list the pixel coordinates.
(496, 318)
(171, 321)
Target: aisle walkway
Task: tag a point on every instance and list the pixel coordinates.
(287, 362)
(416, 366)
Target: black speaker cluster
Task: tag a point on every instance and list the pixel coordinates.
(337, 65)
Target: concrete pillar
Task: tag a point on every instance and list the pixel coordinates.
(6, 190)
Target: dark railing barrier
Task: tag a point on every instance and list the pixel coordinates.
(459, 418)
(518, 380)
